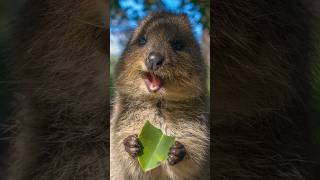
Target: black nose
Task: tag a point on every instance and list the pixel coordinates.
(154, 61)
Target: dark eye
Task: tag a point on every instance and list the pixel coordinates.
(177, 45)
(142, 40)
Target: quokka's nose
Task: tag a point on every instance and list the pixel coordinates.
(154, 61)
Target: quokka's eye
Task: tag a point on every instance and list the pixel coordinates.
(177, 45)
(142, 40)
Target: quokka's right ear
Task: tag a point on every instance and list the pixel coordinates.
(141, 25)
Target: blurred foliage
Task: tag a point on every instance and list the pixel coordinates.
(204, 8)
(205, 11)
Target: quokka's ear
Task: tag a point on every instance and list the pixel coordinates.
(141, 25)
(183, 16)
(95, 13)
(157, 15)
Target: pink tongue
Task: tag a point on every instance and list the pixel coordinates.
(155, 82)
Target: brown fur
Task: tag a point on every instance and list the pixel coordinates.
(178, 109)
(260, 75)
(61, 67)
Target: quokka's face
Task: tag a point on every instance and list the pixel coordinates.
(162, 60)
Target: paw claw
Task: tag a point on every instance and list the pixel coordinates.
(176, 153)
(132, 145)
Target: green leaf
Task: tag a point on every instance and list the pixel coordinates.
(156, 146)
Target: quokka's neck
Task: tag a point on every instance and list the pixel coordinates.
(199, 103)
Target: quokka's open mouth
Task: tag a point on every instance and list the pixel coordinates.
(153, 82)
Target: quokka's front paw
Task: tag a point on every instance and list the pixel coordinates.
(176, 153)
(132, 145)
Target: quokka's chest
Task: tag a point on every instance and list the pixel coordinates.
(158, 118)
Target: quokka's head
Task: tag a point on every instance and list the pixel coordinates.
(162, 60)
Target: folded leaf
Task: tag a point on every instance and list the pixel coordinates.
(156, 146)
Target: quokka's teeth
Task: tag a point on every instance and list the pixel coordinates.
(153, 82)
